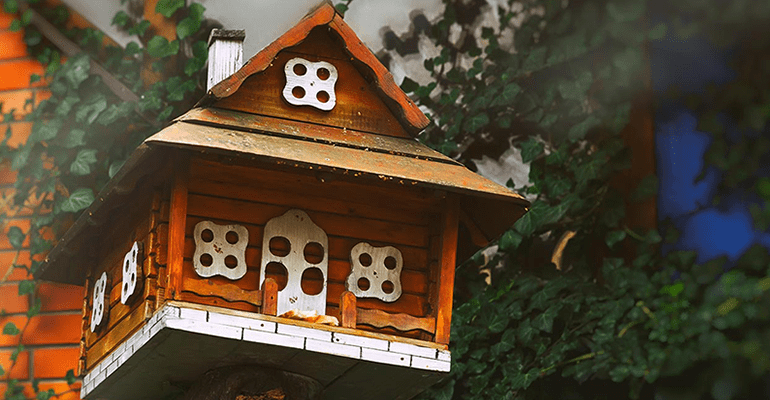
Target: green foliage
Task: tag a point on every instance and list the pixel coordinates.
(620, 319)
(84, 132)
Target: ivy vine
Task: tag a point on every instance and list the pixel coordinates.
(84, 132)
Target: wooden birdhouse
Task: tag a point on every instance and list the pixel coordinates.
(289, 221)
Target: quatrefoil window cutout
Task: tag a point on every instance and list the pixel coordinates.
(220, 250)
(310, 83)
(99, 307)
(131, 273)
(375, 272)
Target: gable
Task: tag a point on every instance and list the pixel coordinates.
(358, 106)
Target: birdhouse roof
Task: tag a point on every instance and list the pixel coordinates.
(326, 18)
(369, 138)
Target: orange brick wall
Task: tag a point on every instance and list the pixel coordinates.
(51, 338)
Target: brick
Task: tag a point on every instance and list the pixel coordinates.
(13, 45)
(20, 131)
(276, 339)
(355, 340)
(430, 364)
(54, 363)
(53, 329)
(205, 328)
(385, 357)
(17, 101)
(187, 313)
(20, 369)
(243, 322)
(10, 301)
(333, 348)
(405, 348)
(16, 73)
(5, 22)
(63, 390)
(7, 175)
(58, 297)
(305, 332)
(6, 259)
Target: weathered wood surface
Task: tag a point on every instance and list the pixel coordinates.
(359, 332)
(325, 19)
(176, 226)
(447, 274)
(401, 322)
(269, 297)
(348, 310)
(119, 333)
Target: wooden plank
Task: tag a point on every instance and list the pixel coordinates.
(348, 316)
(447, 274)
(269, 297)
(415, 258)
(333, 224)
(300, 182)
(177, 220)
(328, 328)
(118, 335)
(265, 194)
(226, 291)
(215, 301)
(401, 322)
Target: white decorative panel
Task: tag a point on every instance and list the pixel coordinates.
(375, 272)
(131, 273)
(99, 307)
(310, 83)
(307, 249)
(220, 250)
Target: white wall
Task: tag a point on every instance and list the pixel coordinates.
(266, 20)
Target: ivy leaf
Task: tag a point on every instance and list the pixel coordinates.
(160, 47)
(522, 381)
(10, 329)
(341, 7)
(82, 164)
(498, 323)
(115, 112)
(200, 56)
(578, 131)
(75, 138)
(177, 90)
(77, 69)
(509, 93)
(115, 167)
(90, 110)
(658, 31)
(120, 19)
(476, 122)
(47, 395)
(647, 188)
(191, 24)
(510, 240)
(80, 199)
(409, 85)
(625, 11)
(525, 331)
(26, 287)
(576, 89)
(138, 29)
(614, 237)
(530, 149)
(167, 8)
(544, 320)
(70, 377)
(46, 130)
(2, 371)
(16, 237)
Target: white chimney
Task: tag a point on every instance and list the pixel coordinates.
(225, 54)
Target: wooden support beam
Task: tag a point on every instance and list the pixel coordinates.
(270, 297)
(348, 310)
(176, 225)
(447, 268)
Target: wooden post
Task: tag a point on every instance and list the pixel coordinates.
(348, 310)
(447, 267)
(176, 225)
(270, 297)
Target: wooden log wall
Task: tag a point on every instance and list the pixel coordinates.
(348, 212)
(145, 221)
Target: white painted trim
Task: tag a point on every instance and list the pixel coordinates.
(270, 333)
